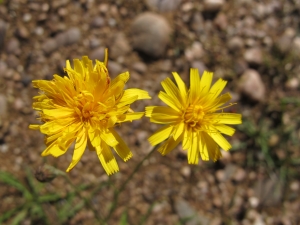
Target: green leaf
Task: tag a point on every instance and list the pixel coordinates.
(123, 220)
(10, 180)
(19, 217)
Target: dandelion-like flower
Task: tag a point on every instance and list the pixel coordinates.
(84, 107)
(193, 116)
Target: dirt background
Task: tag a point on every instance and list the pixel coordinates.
(255, 45)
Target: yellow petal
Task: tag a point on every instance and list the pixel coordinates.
(209, 148)
(109, 138)
(187, 139)
(128, 101)
(79, 149)
(53, 149)
(78, 67)
(216, 89)
(132, 92)
(225, 129)
(55, 126)
(178, 130)
(59, 113)
(181, 87)
(94, 136)
(195, 84)
(169, 145)
(122, 149)
(107, 159)
(34, 126)
(204, 146)
(226, 118)
(205, 82)
(193, 152)
(169, 101)
(132, 116)
(164, 115)
(160, 135)
(123, 77)
(149, 110)
(172, 91)
(220, 140)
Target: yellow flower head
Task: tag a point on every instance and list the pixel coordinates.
(194, 117)
(84, 107)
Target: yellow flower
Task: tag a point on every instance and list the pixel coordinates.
(194, 117)
(84, 107)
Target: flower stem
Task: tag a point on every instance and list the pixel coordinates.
(122, 187)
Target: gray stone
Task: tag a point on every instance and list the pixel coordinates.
(139, 67)
(13, 46)
(253, 56)
(23, 32)
(114, 68)
(150, 34)
(68, 37)
(252, 86)
(120, 46)
(213, 5)
(49, 45)
(199, 65)
(73, 35)
(3, 68)
(195, 51)
(98, 22)
(284, 43)
(98, 54)
(240, 66)
(165, 65)
(163, 5)
(94, 42)
(3, 28)
(13, 61)
(3, 106)
(221, 21)
(186, 212)
(235, 43)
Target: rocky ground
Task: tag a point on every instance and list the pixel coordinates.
(255, 45)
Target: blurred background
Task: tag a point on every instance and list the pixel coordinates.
(253, 44)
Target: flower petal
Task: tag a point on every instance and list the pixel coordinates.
(178, 130)
(169, 145)
(195, 84)
(205, 82)
(220, 140)
(122, 149)
(160, 135)
(226, 118)
(182, 88)
(225, 129)
(132, 92)
(169, 101)
(193, 152)
(79, 149)
(107, 159)
(108, 138)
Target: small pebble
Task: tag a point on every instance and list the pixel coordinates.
(213, 5)
(253, 56)
(148, 27)
(252, 86)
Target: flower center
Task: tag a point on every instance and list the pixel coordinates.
(84, 105)
(194, 115)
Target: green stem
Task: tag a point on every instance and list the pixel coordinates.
(122, 187)
(86, 201)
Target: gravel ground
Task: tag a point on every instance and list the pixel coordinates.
(255, 45)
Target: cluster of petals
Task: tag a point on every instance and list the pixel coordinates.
(194, 117)
(84, 107)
